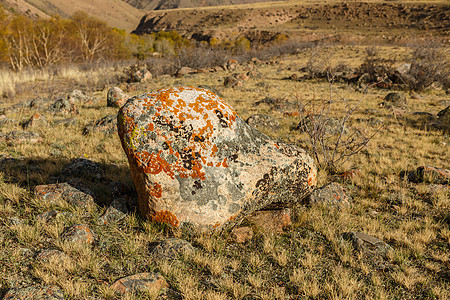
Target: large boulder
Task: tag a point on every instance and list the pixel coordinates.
(194, 161)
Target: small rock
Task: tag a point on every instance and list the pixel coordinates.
(332, 193)
(77, 96)
(65, 191)
(64, 106)
(171, 248)
(48, 215)
(184, 71)
(263, 122)
(116, 97)
(66, 122)
(15, 221)
(107, 125)
(430, 174)
(322, 124)
(35, 120)
(241, 235)
(78, 234)
(232, 82)
(140, 283)
(232, 64)
(242, 77)
(394, 100)
(275, 220)
(82, 168)
(114, 213)
(19, 137)
(45, 292)
(366, 243)
(50, 254)
(139, 74)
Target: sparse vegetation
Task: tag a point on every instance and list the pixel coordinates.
(310, 260)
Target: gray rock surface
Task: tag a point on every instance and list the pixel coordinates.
(194, 161)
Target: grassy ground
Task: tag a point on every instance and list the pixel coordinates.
(310, 260)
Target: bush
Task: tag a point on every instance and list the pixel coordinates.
(429, 64)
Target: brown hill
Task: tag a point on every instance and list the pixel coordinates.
(172, 4)
(389, 20)
(115, 13)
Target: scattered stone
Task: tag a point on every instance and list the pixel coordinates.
(394, 100)
(217, 69)
(232, 82)
(45, 292)
(114, 213)
(275, 220)
(82, 168)
(77, 96)
(116, 97)
(65, 191)
(78, 234)
(232, 64)
(268, 100)
(242, 77)
(366, 243)
(184, 71)
(197, 162)
(332, 193)
(65, 107)
(430, 174)
(19, 137)
(171, 248)
(253, 74)
(415, 96)
(241, 235)
(263, 122)
(140, 283)
(107, 125)
(138, 73)
(35, 120)
(48, 215)
(50, 254)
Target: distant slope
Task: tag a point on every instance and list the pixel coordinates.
(115, 13)
(172, 4)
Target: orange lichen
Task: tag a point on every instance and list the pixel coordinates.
(217, 224)
(155, 189)
(312, 179)
(165, 216)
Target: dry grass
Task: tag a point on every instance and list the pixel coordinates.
(309, 261)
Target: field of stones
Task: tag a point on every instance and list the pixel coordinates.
(376, 225)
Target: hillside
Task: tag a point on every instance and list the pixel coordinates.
(115, 13)
(391, 21)
(172, 4)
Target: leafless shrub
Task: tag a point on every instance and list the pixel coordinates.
(200, 57)
(429, 64)
(332, 141)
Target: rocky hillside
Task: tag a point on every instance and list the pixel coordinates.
(391, 20)
(115, 13)
(172, 4)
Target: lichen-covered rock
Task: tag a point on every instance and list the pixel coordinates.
(18, 137)
(107, 125)
(77, 96)
(48, 215)
(114, 213)
(64, 191)
(171, 248)
(116, 97)
(364, 242)
(64, 106)
(332, 194)
(193, 160)
(232, 82)
(34, 292)
(394, 100)
(430, 174)
(140, 283)
(35, 120)
(82, 168)
(78, 233)
(47, 255)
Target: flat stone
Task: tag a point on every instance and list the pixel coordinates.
(364, 242)
(114, 213)
(19, 137)
(64, 106)
(78, 233)
(42, 292)
(140, 283)
(171, 248)
(430, 174)
(65, 191)
(107, 125)
(195, 162)
(332, 194)
(48, 215)
(50, 254)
